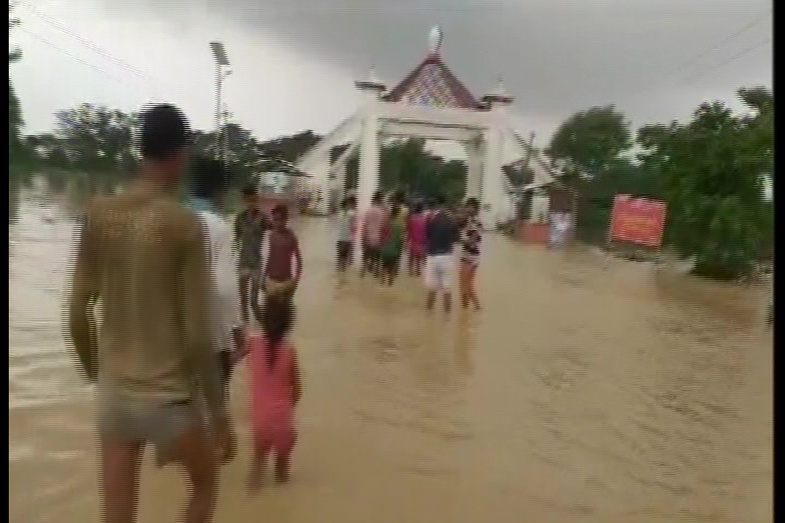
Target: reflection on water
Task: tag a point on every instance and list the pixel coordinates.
(585, 391)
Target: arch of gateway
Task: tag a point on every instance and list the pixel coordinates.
(429, 103)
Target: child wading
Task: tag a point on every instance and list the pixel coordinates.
(347, 228)
(394, 234)
(275, 390)
(280, 277)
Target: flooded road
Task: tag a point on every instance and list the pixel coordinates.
(583, 392)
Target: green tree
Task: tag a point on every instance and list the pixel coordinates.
(589, 148)
(590, 140)
(97, 138)
(711, 171)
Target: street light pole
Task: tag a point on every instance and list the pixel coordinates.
(221, 72)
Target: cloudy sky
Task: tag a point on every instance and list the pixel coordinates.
(294, 61)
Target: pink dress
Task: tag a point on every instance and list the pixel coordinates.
(272, 395)
(416, 234)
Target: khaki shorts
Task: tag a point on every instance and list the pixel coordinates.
(276, 288)
(125, 419)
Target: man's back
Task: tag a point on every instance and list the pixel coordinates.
(441, 233)
(140, 243)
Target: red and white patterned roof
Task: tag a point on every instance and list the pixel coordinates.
(433, 84)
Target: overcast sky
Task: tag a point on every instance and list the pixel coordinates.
(294, 61)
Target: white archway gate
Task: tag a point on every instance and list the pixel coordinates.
(429, 103)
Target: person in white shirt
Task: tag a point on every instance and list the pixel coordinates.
(209, 184)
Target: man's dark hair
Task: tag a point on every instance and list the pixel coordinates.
(165, 132)
(377, 197)
(209, 178)
(249, 189)
(418, 207)
(438, 200)
(349, 201)
(281, 211)
(473, 203)
(399, 197)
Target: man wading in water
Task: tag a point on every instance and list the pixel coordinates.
(249, 228)
(143, 256)
(209, 183)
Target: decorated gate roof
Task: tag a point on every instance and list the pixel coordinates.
(432, 83)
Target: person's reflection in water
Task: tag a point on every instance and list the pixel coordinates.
(464, 343)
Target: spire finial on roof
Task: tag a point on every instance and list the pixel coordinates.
(500, 89)
(372, 77)
(435, 40)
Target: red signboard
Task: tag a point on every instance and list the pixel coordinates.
(637, 220)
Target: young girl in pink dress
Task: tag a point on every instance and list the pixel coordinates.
(275, 390)
(415, 234)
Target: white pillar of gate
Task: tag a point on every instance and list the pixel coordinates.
(496, 204)
(320, 173)
(368, 179)
(474, 160)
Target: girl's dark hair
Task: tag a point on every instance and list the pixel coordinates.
(277, 319)
(418, 208)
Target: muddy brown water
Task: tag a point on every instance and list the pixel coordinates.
(585, 391)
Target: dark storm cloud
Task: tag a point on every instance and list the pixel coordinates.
(555, 57)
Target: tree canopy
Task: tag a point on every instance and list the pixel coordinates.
(712, 171)
(590, 140)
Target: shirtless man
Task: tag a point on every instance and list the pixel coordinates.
(279, 278)
(142, 255)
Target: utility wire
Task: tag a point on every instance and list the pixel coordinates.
(90, 45)
(727, 61)
(75, 57)
(648, 87)
(727, 39)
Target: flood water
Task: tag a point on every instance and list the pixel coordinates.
(587, 390)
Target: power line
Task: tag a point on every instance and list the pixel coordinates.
(727, 39)
(648, 87)
(90, 45)
(729, 60)
(75, 57)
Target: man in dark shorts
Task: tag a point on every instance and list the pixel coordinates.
(441, 234)
(142, 255)
(249, 229)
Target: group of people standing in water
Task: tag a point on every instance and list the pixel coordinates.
(425, 232)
